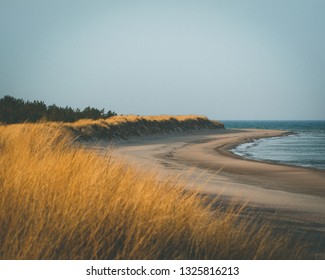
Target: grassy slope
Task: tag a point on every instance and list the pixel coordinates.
(124, 127)
(60, 201)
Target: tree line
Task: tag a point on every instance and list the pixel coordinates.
(16, 110)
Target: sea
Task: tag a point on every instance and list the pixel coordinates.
(305, 147)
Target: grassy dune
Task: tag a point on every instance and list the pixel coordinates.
(60, 201)
(123, 127)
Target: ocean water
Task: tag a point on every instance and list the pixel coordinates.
(306, 147)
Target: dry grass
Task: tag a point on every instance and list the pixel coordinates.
(124, 127)
(60, 201)
(134, 118)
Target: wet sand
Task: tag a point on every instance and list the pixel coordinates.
(292, 198)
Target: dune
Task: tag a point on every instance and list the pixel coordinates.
(126, 127)
(61, 200)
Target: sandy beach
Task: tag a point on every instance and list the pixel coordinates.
(290, 197)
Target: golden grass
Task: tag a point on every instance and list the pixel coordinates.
(134, 118)
(124, 127)
(60, 201)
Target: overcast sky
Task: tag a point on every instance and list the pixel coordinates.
(223, 59)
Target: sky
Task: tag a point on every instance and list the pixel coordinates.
(227, 59)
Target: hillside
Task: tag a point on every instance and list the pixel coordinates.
(124, 127)
(61, 201)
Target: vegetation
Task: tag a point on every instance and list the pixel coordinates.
(124, 127)
(61, 201)
(13, 110)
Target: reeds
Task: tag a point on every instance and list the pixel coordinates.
(61, 201)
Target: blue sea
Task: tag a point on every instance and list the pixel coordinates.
(306, 147)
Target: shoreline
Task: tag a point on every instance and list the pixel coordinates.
(201, 161)
(270, 175)
(191, 154)
(269, 161)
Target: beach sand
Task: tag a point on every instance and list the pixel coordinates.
(291, 198)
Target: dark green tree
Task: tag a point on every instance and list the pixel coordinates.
(13, 110)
